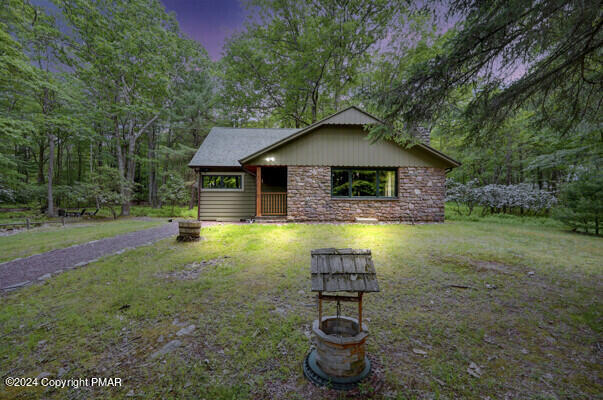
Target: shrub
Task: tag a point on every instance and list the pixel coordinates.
(6, 194)
(462, 194)
(498, 197)
(582, 202)
(173, 190)
(104, 189)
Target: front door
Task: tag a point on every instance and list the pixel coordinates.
(272, 191)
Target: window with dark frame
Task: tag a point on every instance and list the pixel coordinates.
(224, 182)
(364, 182)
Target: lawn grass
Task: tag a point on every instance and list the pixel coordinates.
(165, 211)
(56, 236)
(537, 335)
(135, 211)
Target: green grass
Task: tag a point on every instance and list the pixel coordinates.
(20, 216)
(452, 214)
(165, 211)
(534, 336)
(56, 236)
(135, 211)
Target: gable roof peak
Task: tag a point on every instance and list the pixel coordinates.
(351, 115)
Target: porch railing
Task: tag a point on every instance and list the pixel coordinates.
(274, 203)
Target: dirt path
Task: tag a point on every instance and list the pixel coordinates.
(20, 272)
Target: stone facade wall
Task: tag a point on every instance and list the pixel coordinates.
(421, 195)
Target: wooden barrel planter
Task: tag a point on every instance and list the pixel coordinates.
(189, 231)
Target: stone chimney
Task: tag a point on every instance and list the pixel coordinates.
(422, 134)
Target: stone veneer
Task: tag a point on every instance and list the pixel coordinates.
(421, 195)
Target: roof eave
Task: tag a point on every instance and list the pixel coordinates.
(317, 124)
(440, 155)
(213, 166)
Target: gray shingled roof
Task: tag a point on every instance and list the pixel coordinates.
(343, 270)
(224, 147)
(228, 147)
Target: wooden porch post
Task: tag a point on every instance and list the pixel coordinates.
(258, 192)
(199, 196)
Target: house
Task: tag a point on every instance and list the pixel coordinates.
(328, 171)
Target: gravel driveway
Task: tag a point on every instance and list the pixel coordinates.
(22, 271)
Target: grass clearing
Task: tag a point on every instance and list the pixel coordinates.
(56, 236)
(534, 336)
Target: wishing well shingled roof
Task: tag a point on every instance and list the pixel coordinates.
(343, 270)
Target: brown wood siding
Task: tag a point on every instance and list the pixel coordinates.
(346, 146)
(229, 205)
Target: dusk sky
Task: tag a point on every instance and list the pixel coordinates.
(209, 22)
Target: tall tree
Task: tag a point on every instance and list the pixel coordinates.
(297, 61)
(553, 46)
(17, 80)
(46, 42)
(127, 52)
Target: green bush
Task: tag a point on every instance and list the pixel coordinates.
(582, 202)
(173, 190)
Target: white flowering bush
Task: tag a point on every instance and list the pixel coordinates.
(7, 195)
(497, 198)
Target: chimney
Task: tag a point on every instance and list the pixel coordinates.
(422, 134)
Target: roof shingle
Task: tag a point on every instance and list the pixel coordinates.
(223, 147)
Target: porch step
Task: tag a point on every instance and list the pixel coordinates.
(271, 218)
(366, 220)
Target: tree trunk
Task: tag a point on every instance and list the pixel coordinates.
(91, 158)
(50, 211)
(69, 165)
(41, 149)
(520, 154)
(127, 166)
(100, 154)
(79, 162)
(122, 170)
(59, 160)
(130, 171)
(152, 170)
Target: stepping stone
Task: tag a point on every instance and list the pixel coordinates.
(186, 331)
(169, 347)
